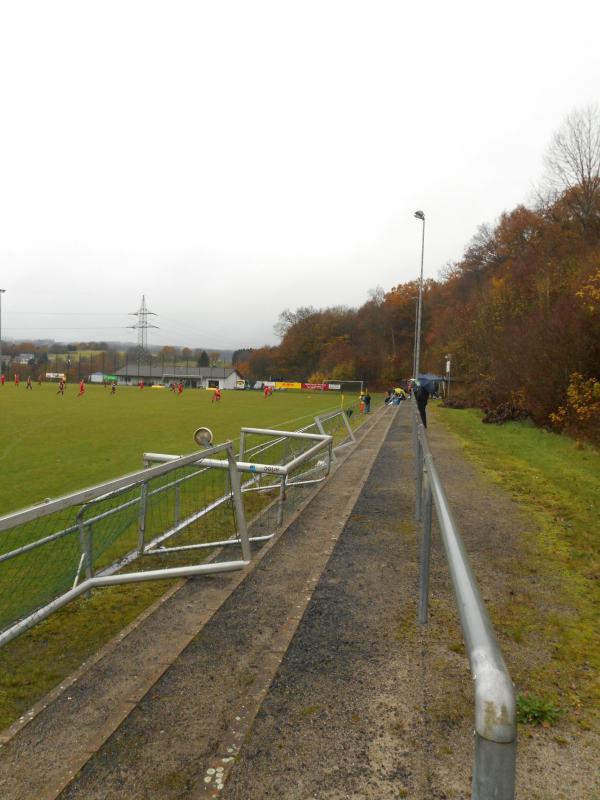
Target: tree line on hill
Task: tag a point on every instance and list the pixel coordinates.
(520, 312)
(79, 360)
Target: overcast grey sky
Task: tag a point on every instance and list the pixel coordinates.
(231, 159)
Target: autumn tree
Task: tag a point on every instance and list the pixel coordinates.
(287, 319)
(242, 355)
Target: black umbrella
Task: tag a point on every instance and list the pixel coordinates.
(430, 382)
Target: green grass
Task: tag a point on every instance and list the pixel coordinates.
(54, 445)
(557, 482)
(51, 445)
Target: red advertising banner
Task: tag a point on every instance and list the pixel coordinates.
(316, 387)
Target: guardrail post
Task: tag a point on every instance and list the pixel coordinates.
(238, 504)
(425, 551)
(348, 426)
(285, 449)
(142, 518)
(419, 486)
(86, 546)
(321, 429)
(281, 501)
(494, 770)
(415, 439)
(177, 504)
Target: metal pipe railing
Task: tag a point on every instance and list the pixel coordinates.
(131, 480)
(495, 709)
(140, 482)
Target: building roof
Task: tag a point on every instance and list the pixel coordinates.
(158, 371)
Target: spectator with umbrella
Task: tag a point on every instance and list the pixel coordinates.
(421, 396)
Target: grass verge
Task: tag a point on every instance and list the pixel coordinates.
(557, 483)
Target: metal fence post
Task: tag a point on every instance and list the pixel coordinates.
(177, 504)
(238, 504)
(85, 544)
(494, 770)
(281, 501)
(425, 551)
(142, 518)
(415, 439)
(286, 447)
(419, 486)
(330, 457)
(348, 426)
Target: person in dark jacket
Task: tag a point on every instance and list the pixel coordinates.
(367, 402)
(421, 396)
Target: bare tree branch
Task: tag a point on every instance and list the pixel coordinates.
(573, 164)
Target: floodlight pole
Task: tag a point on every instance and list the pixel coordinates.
(414, 369)
(448, 363)
(420, 215)
(1, 293)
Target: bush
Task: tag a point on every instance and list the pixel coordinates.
(580, 413)
(504, 412)
(456, 402)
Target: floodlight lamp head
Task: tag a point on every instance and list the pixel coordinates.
(420, 215)
(203, 437)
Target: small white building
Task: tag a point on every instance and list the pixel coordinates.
(192, 377)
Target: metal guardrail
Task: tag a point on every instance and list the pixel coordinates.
(495, 709)
(88, 498)
(281, 473)
(131, 494)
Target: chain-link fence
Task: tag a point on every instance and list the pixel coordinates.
(160, 521)
(55, 551)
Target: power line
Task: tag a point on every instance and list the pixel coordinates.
(71, 313)
(68, 328)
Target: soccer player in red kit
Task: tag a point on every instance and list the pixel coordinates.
(81, 388)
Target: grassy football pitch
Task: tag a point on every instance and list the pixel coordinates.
(52, 445)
